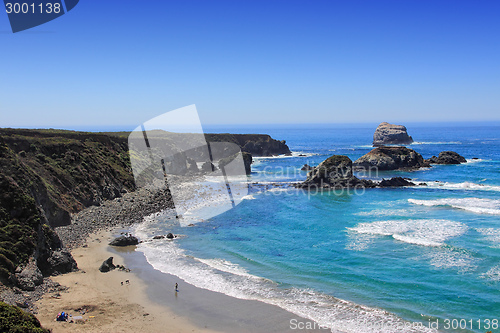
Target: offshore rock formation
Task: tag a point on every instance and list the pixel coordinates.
(447, 157)
(335, 172)
(390, 158)
(396, 182)
(389, 134)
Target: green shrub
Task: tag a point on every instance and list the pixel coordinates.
(15, 320)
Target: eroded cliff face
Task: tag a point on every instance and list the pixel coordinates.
(47, 175)
(66, 171)
(255, 144)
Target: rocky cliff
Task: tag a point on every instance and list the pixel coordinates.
(47, 175)
(255, 144)
(389, 134)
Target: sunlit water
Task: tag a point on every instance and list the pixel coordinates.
(371, 261)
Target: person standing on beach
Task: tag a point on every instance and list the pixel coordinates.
(176, 287)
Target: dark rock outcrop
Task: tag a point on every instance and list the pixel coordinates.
(170, 235)
(207, 167)
(306, 167)
(125, 240)
(28, 277)
(395, 182)
(334, 172)
(247, 161)
(191, 165)
(447, 157)
(107, 265)
(389, 134)
(390, 158)
(255, 144)
(61, 262)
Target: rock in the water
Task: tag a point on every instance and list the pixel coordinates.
(306, 167)
(125, 240)
(395, 182)
(170, 235)
(389, 134)
(208, 167)
(447, 157)
(159, 237)
(334, 172)
(191, 165)
(391, 158)
(107, 265)
(61, 262)
(247, 161)
(29, 277)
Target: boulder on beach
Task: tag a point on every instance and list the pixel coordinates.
(390, 158)
(390, 134)
(124, 240)
(396, 182)
(334, 172)
(28, 277)
(61, 262)
(107, 265)
(447, 157)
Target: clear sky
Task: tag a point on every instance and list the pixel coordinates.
(120, 63)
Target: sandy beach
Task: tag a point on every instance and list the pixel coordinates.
(106, 305)
(148, 302)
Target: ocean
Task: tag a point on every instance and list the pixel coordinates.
(380, 260)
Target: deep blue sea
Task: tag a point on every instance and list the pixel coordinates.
(380, 260)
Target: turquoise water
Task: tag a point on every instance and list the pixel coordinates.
(345, 259)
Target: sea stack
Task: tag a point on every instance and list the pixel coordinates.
(447, 157)
(335, 172)
(390, 158)
(389, 134)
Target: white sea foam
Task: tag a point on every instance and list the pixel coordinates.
(387, 212)
(294, 154)
(423, 232)
(493, 274)
(492, 235)
(437, 143)
(248, 197)
(477, 160)
(446, 258)
(475, 205)
(461, 186)
(228, 278)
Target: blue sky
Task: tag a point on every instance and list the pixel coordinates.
(120, 63)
